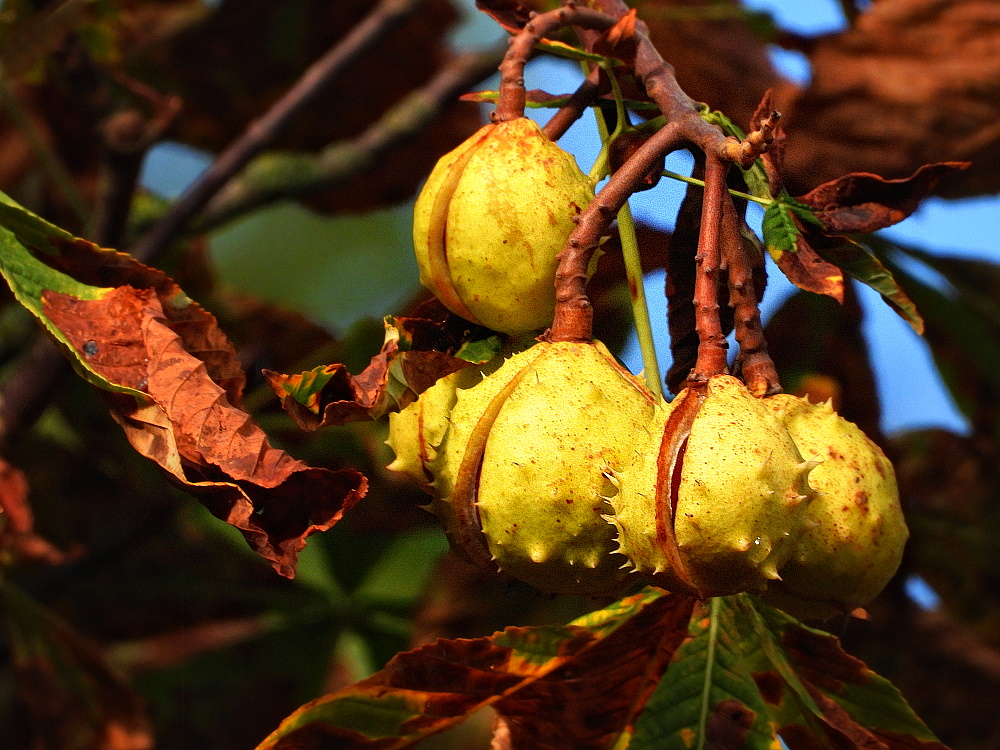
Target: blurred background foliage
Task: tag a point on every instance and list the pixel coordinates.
(130, 617)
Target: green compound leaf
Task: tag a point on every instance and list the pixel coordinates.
(853, 704)
(750, 674)
(781, 233)
(708, 697)
(857, 261)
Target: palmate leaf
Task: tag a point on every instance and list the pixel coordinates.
(175, 383)
(855, 704)
(740, 675)
(708, 695)
(540, 681)
(750, 674)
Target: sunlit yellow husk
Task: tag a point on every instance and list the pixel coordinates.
(741, 493)
(853, 539)
(533, 447)
(490, 220)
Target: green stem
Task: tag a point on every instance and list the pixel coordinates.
(640, 311)
(706, 688)
(739, 194)
(630, 254)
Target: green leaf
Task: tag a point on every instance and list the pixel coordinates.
(481, 350)
(559, 49)
(825, 670)
(24, 236)
(708, 695)
(402, 572)
(858, 261)
(310, 263)
(781, 233)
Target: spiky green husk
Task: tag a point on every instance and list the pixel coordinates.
(416, 431)
(853, 539)
(739, 486)
(532, 447)
(490, 220)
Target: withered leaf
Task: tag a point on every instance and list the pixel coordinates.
(539, 680)
(189, 426)
(808, 271)
(619, 42)
(863, 203)
(17, 522)
(417, 352)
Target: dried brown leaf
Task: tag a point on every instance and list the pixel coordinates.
(418, 350)
(808, 271)
(510, 14)
(17, 523)
(190, 426)
(863, 203)
(910, 83)
(620, 41)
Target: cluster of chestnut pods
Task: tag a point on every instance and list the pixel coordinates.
(555, 465)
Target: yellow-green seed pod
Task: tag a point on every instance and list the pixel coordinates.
(853, 538)
(522, 474)
(490, 220)
(416, 431)
(711, 505)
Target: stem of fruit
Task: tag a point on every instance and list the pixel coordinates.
(511, 94)
(757, 366)
(570, 112)
(712, 343)
(633, 270)
(574, 315)
(765, 202)
(706, 687)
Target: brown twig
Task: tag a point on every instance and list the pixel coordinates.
(712, 343)
(574, 314)
(757, 367)
(127, 135)
(511, 93)
(585, 95)
(343, 160)
(386, 16)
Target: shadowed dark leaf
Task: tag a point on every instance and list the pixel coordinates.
(863, 203)
(539, 680)
(75, 700)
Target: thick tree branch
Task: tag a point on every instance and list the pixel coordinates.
(278, 177)
(386, 16)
